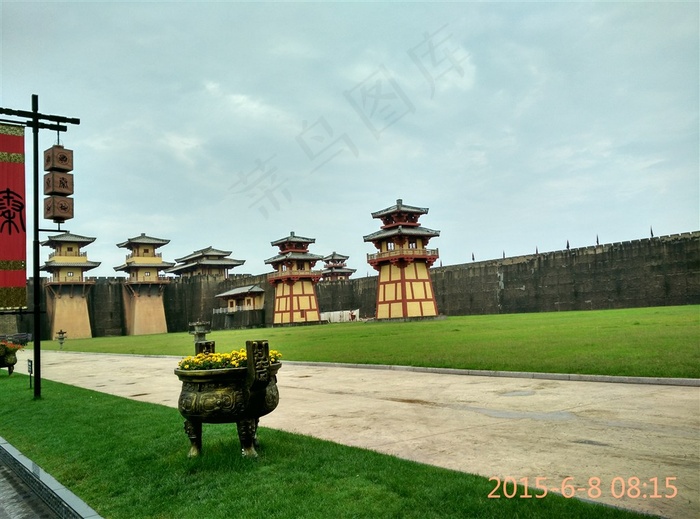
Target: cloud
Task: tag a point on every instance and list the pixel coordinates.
(517, 124)
(185, 148)
(247, 109)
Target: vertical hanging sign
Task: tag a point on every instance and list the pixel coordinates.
(13, 228)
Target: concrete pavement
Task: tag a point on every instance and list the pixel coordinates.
(493, 426)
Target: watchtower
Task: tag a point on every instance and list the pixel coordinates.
(143, 289)
(67, 290)
(404, 287)
(335, 268)
(294, 281)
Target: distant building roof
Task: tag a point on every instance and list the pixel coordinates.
(208, 257)
(250, 289)
(293, 256)
(401, 231)
(131, 266)
(399, 207)
(217, 263)
(293, 238)
(143, 240)
(335, 257)
(69, 238)
(206, 252)
(338, 270)
(85, 265)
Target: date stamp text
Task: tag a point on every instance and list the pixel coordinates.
(618, 488)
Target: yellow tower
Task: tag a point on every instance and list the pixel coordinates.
(143, 289)
(68, 288)
(404, 288)
(294, 281)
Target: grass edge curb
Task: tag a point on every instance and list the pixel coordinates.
(574, 377)
(57, 497)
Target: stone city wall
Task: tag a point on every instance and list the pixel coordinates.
(661, 271)
(106, 307)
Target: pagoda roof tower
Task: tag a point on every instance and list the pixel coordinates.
(404, 288)
(143, 289)
(67, 289)
(293, 247)
(400, 221)
(143, 253)
(335, 267)
(64, 257)
(294, 281)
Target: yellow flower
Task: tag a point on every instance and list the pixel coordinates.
(234, 359)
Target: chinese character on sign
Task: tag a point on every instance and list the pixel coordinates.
(262, 184)
(379, 101)
(11, 212)
(437, 56)
(317, 139)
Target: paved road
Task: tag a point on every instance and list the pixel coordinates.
(492, 426)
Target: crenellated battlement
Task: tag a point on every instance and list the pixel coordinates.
(654, 271)
(581, 251)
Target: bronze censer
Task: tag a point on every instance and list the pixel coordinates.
(241, 395)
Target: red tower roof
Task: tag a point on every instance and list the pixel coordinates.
(400, 214)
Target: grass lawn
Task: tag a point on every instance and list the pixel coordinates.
(127, 459)
(652, 342)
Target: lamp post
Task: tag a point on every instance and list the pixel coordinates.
(37, 121)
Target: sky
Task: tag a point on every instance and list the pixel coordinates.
(521, 126)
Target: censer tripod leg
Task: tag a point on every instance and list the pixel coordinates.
(194, 432)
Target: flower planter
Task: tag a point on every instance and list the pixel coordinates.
(230, 395)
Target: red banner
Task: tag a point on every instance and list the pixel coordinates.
(13, 221)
